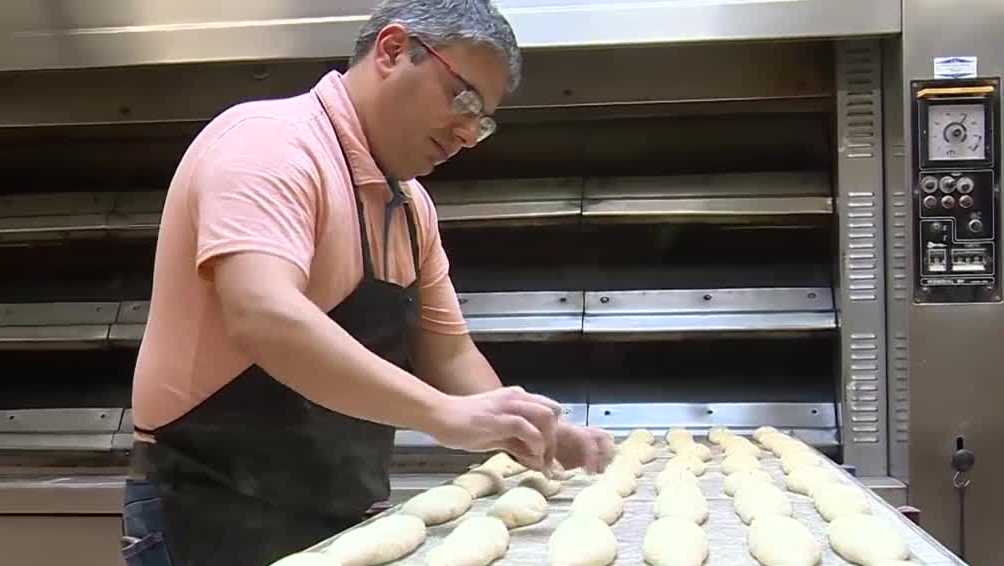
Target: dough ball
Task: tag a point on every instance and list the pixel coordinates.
(384, 540)
(743, 446)
(798, 459)
(674, 473)
(643, 453)
(539, 482)
(866, 539)
(699, 451)
(582, 540)
(755, 499)
(598, 500)
(481, 482)
(739, 462)
(691, 462)
(503, 464)
(717, 434)
(439, 504)
(621, 480)
(836, 500)
(559, 472)
(641, 435)
(476, 541)
(807, 479)
(775, 540)
(677, 437)
(735, 481)
(759, 433)
(306, 559)
(624, 463)
(672, 541)
(683, 500)
(520, 506)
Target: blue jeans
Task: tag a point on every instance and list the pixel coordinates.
(143, 526)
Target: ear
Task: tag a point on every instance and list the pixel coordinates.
(391, 48)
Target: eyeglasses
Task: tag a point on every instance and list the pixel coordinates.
(468, 102)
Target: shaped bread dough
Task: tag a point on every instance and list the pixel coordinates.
(558, 472)
(625, 463)
(620, 479)
(683, 500)
(582, 540)
(439, 504)
(739, 462)
(643, 453)
(742, 446)
(677, 437)
(503, 464)
(895, 563)
(777, 442)
(520, 506)
(384, 540)
(672, 541)
(641, 435)
(755, 499)
(539, 482)
(481, 482)
(691, 462)
(717, 434)
(598, 500)
(776, 540)
(674, 472)
(807, 479)
(307, 559)
(735, 481)
(836, 500)
(476, 541)
(866, 539)
(759, 433)
(799, 458)
(700, 451)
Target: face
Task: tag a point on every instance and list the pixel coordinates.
(414, 126)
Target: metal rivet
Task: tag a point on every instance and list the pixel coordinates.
(812, 295)
(711, 412)
(563, 300)
(815, 411)
(707, 297)
(463, 301)
(604, 300)
(605, 413)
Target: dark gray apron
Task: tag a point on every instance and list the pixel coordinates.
(257, 471)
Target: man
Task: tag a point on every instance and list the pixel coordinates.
(302, 307)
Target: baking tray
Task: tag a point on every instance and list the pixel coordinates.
(727, 535)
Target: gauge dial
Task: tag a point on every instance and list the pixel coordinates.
(956, 132)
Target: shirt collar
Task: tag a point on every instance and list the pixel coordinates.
(338, 106)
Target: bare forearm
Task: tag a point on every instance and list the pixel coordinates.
(465, 373)
(303, 348)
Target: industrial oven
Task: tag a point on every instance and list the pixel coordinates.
(694, 214)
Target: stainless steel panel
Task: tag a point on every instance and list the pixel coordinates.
(509, 212)
(892, 490)
(60, 420)
(100, 33)
(497, 191)
(522, 316)
(955, 350)
(689, 415)
(697, 209)
(53, 337)
(73, 215)
(760, 185)
(575, 413)
(133, 312)
(861, 296)
(898, 268)
(62, 495)
(45, 314)
(57, 540)
(54, 204)
(657, 313)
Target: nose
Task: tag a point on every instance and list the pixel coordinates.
(466, 130)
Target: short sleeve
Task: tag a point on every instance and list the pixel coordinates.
(441, 312)
(255, 190)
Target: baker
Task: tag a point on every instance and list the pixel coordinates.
(302, 307)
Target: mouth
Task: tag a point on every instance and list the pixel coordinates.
(441, 153)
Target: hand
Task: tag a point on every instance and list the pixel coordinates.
(588, 448)
(510, 419)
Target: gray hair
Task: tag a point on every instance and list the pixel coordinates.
(440, 22)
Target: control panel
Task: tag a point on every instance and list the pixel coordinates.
(956, 190)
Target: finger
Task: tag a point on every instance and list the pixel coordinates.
(521, 453)
(515, 427)
(555, 406)
(545, 421)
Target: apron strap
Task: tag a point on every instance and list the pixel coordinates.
(363, 236)
(399, 199)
